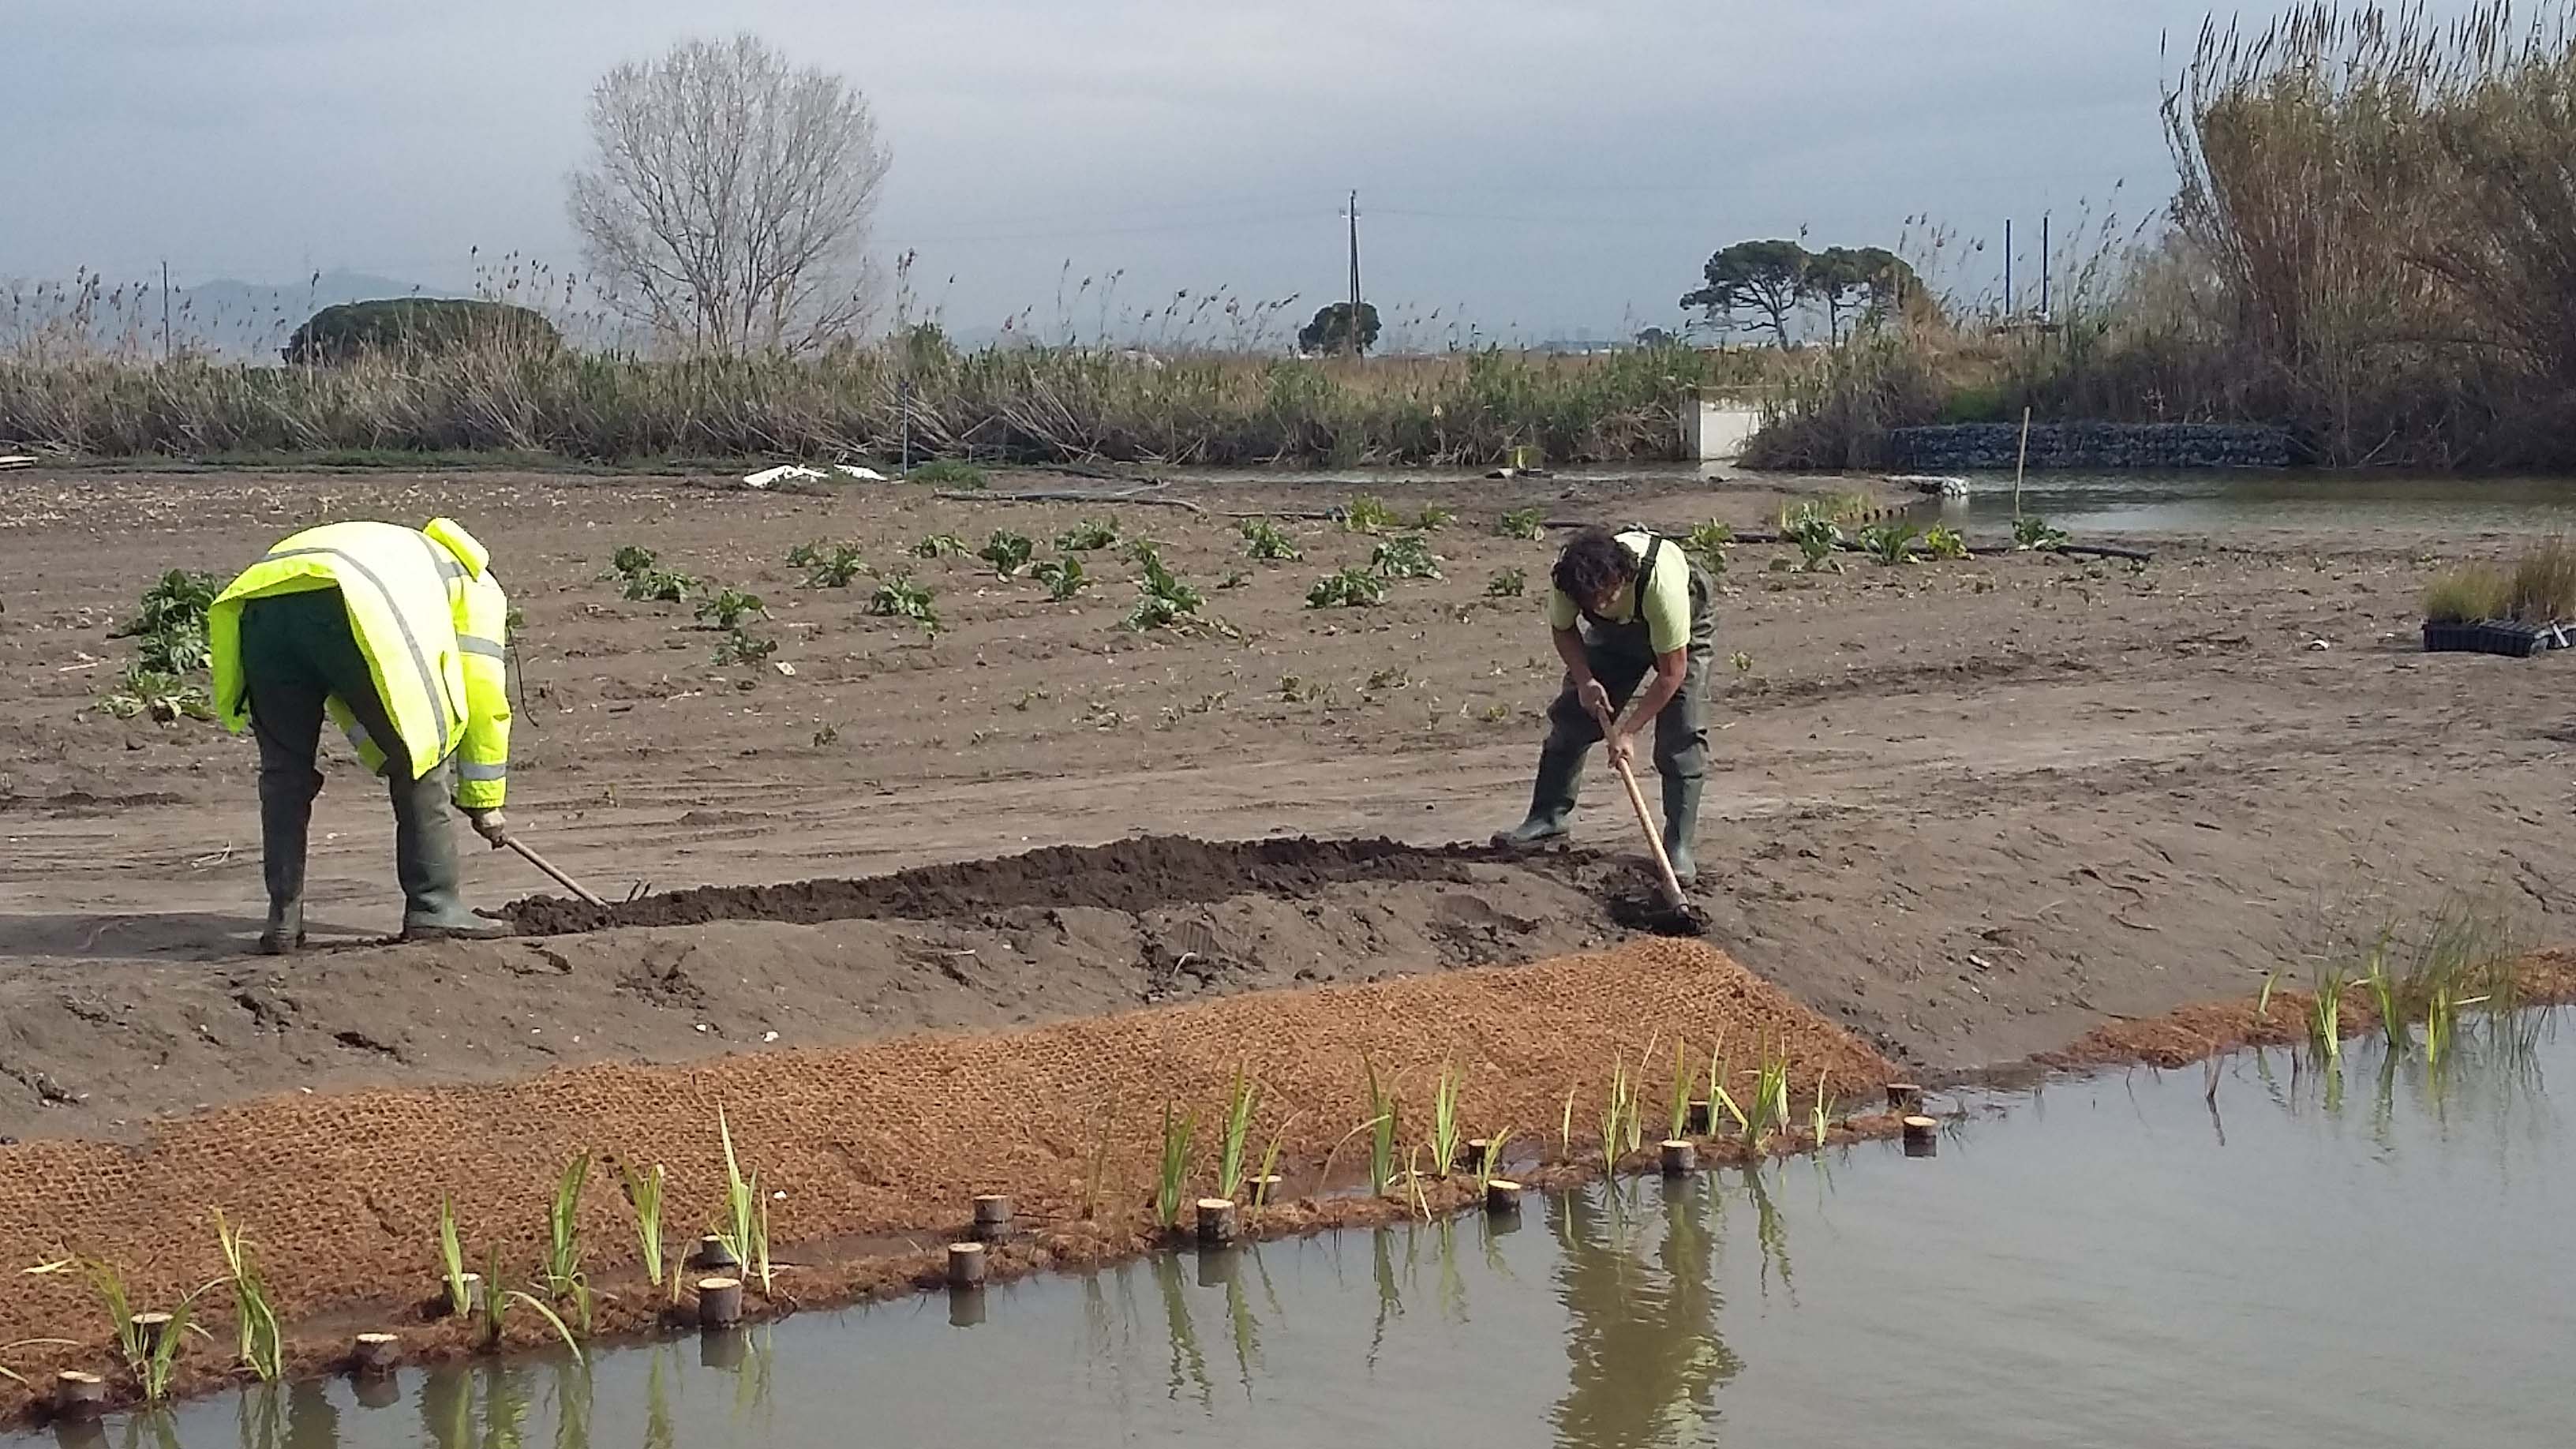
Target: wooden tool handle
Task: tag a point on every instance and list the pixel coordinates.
(1654, 838)
(574, 886)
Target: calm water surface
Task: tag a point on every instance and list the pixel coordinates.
(2378, 1258)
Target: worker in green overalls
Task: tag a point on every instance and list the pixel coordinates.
(1632, 620)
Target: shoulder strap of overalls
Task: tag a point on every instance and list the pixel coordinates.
(1645, 575)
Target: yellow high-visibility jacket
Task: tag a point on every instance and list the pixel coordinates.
(431, 620)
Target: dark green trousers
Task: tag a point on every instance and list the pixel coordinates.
(297, 651)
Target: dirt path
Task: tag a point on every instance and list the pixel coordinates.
(1969, 810)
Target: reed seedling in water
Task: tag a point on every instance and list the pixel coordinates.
(1238, 1129)
(451, 1260)
(644, 1196)
(1565, 1127)
(1269, 1173)
(746, 1211)
(564, 1278)
(150, 1356)
(496, 1308)
(1719, 1098)
(1614, 1114)
(1491, 1165)
(259, 1344)
(2385, 1000)
(1096, 1180)
(1770, 1109)
(1382, 1130)
(1824, 1108)
(1177, 1133)
(1681, 1093)
(1444, 1118)
(2325, 1019)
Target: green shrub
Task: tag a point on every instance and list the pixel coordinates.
(418, 325)
(1406, 556)
(1350, 588)
(951, 473)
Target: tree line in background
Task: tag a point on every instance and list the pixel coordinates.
(1766, 286)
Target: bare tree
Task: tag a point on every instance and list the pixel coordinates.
(728, 200)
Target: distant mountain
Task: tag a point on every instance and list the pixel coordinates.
(229, 317)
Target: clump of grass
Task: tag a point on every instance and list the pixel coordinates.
(1178, 1130)
(2544, 583)
(451, 1260)
(1942, 541)
(1367, 514)
(258, 1344)
(1523, 523)
(834, 568)
(1087, 536)
(1445, 1134)
(951, 473)
(898, 597)
(1163, 599)
(1769, 1109)
(1890, 543)
(1240, 1105)
(1347, 589)
(2386, 1000)
(564, 1279)
(728, 608)
(746, 1229)
(1510, 583)
(1263, 540)
(2468, 594)
(1406, 556)
(644, 1198)
(1382, 1125)
(940, 545)
(1435, 517)
(1007, 552)
(2034, 533)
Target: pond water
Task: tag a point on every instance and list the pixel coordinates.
(2227, 501)
(2263, 1254)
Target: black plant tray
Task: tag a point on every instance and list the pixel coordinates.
(2495, 636)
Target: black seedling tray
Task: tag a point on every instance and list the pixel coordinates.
(2495, 636)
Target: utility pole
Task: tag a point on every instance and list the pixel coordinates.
(1351, 336)
(2008, 292)
(165, 313)
(2043, 266)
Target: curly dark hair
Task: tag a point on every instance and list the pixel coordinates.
(1594, 563)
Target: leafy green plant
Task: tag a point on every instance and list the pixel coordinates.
(1707, 543)
(1163, 599)
(1444, 1118)
(451, 1260)
(806, 555)
(1681, 1094)
(2032, 532)
(1063, 578)
(727, 608)
(631, 560)
(1742, 661)
(739, 647)
(644, 1199)
(1509, 583)
(164, 697)
(2468, 594)
(257, 1342)
(564, 1280)
(1346, 589)
(1823, 1108)
(746, 1229)
(1383, 1124)
(150, 1354)
(835, 569)
(1007, 552)
(1177, 1133)
(660, 586)
(2325, 1019)
(1942, 541)
(1435, 517)
(951, 473)
(1263, 540)
(1240, 1105)
(1086, 536)
(1367, 514)
(1523, 523)
(1406, 556)
(1890, 543)
(1769, 1110)
(1614, 1114)
(177, 601)
(940, 545)
(898, 597)
(1816, 537)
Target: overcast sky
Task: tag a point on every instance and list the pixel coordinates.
(1535, 166)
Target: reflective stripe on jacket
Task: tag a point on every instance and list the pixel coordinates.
(431, 620)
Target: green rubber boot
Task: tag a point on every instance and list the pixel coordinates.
(425, 862)
(1681, 823)
(284, 820)
(1551, 812)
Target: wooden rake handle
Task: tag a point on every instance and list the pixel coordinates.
(574, 886)
(1654, 838)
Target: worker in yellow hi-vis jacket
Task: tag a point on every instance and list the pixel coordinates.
(396, 634)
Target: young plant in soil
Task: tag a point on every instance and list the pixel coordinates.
(1382, 1126)
(644, 1197)
(1708, 543)
(1565, 1127)
(1523, 523)
(1367, 514)
(1444, 1118)
(1615, 1112)
(746, 1229)
(451, 1260)
(950, 473)
(1942, 541)
(1349, 588)
(1263, 540)
(738, 647)
(1163, 600)
(727, 608)
(150, 1358)
(2325, 1019)
(258, 1344)
(1508, 583)
(2032, 532)
(1177, 1134)
(1087, 536)
(835, 569)
(1406, 556)
(564, 1281)
(2386, 1000)
(899, 597)
(1096, 1180)
(940, 545)
(1770, 1109)
(1063, 578)
(496, 1309)
(1891, 544)
(1269, 1173)
(1823, 1108)
(1007, 552)
(1816, 536)
(1490, 1166)
(1681, 1093)
(1435, 517)
(1720, 1069)
(1245, 1098)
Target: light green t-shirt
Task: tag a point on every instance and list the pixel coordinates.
(1667, 597)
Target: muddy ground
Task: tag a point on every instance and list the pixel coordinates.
(1970, 810)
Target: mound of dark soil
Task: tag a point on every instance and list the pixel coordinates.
(1132, 875)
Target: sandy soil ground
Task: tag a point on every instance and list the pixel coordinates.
(1971, 811)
